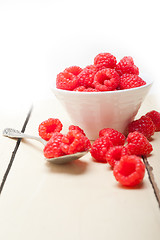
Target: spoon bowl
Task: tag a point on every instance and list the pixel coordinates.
(13, 133)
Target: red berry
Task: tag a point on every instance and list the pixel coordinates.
(129, 171)
(79, 89)
(143, 125)
(126, 65)
(92, 67)
(105, 60)
(155, 116)
(83, 89)
(114, 154)
(90, 90)
(66, 81)
(75, 70)
(77, 128)
(106, 80)
(74, 141)
(99, 149)
(115, 137)
(128, 81)
(86, 77)
(48, 127)
(52, 148)
(138, 144)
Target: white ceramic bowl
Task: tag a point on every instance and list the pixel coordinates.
(93, 111)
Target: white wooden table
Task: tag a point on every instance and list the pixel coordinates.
(76, 201)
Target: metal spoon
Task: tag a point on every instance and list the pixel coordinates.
(12, 133)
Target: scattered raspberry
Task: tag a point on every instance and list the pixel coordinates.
(143, 125)
(155, 117)
(74, 141)
(114, 154)
(75, 70)
(138, 144)
(106, 80)
(52, 148)
(105, 60)
(99, 149)
(48, 127)
(128, 81)
(66, 81)
(77, 128)
(129, 171)
(126, 65)
(86, 77)
(115, 137)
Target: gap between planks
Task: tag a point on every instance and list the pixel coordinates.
(152, 180)
(14, 152)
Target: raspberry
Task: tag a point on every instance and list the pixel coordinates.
(143, 125)
(77, 128)
(126, 65)
(48, 127)
(90, 90)
(93, 67)
(75, 70)
(114, 154)
(115, 137)
(79, 89)
(83, 89)
(66, 81)
(105, 60)
(106, 80)
(129, 171)
(138, 144)
(86, 77)
(128, 81)
(99, 149)
(52, 148)
(155, 117)
(74, 141)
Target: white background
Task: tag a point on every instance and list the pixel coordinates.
(38, 39)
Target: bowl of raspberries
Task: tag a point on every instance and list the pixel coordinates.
(106, 94)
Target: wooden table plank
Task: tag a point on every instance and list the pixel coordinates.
(152, 162)
(80, 200)
(8, 146)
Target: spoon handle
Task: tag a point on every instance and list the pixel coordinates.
(13, 133)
